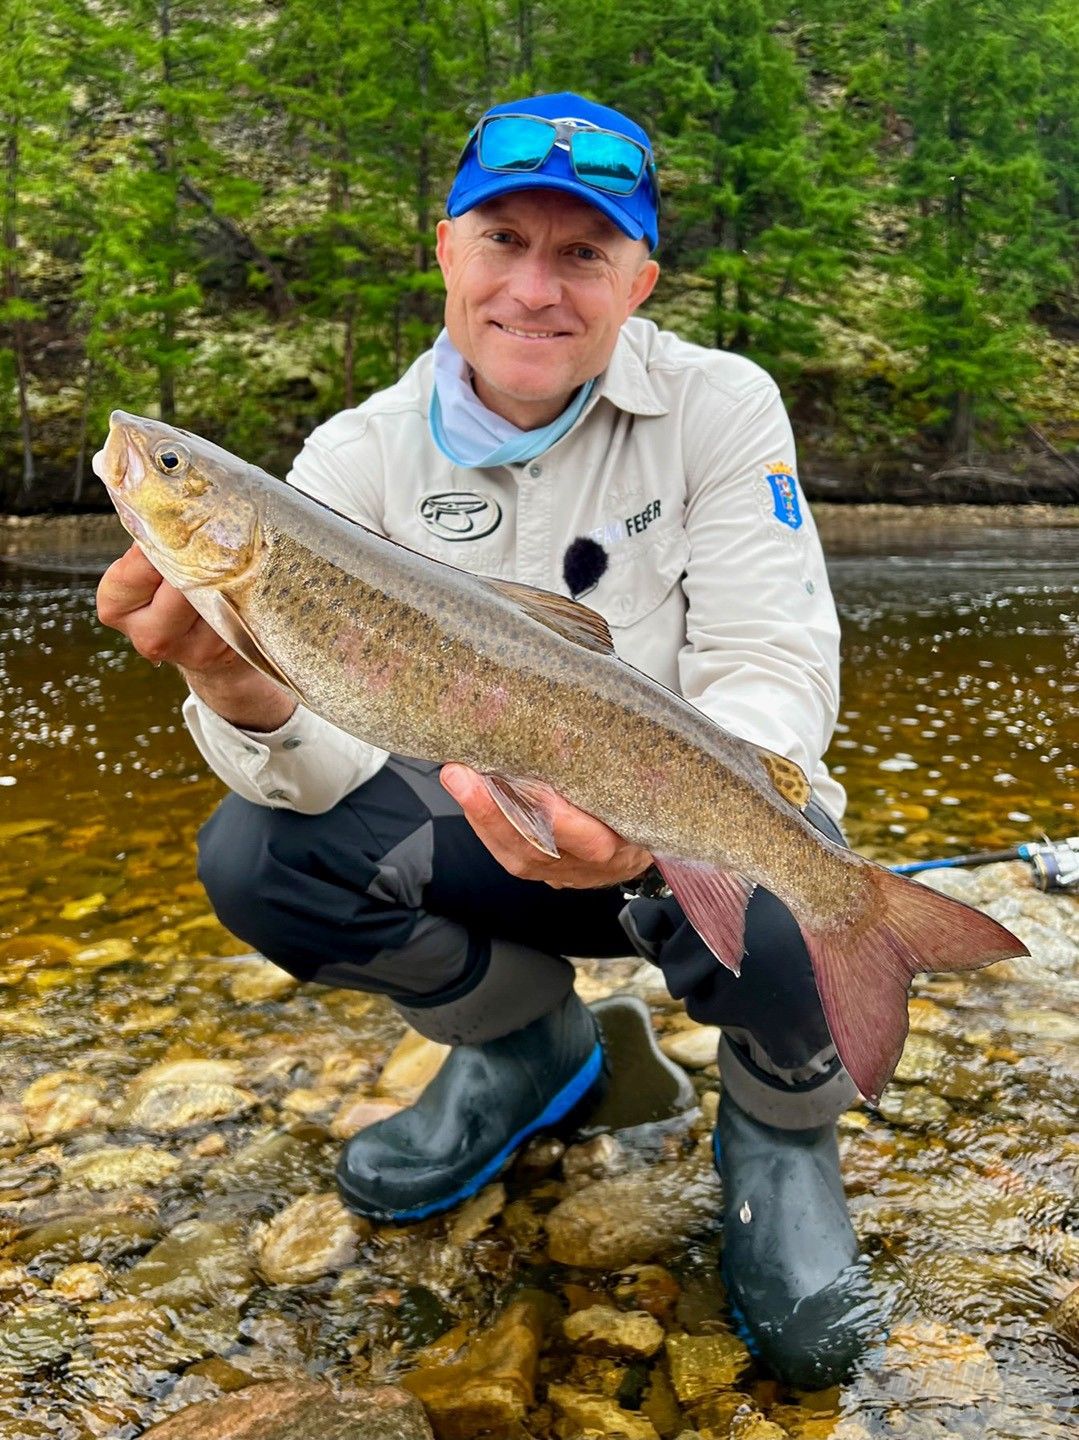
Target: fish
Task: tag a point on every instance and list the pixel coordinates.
(524, 686)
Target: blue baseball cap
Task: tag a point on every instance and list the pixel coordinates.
(636, 214)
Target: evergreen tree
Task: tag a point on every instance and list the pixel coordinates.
(33, 100)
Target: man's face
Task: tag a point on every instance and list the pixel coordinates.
(538, 284)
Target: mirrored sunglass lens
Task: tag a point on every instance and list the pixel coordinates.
(607, 161)
(513, 143)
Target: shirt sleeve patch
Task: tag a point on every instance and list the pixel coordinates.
(783, 491)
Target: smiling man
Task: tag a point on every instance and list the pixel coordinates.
(552, 437)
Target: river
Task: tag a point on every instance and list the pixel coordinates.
(958, 731)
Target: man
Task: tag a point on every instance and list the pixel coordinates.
(551, 438)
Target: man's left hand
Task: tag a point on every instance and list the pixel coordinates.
(591, 855)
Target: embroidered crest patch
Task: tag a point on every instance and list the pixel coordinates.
(784, 488)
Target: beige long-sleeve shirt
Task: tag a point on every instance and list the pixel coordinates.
(682, 467)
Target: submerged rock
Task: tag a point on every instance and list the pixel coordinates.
(493, 1386)
(299, 1410)
(315, 1236)
(602, 1330)
(590, 1414)
(114, 1167)
(626, 1219)
(702, 1364)
(412, 1065)
(256, 980)
(166, 1109)
(200, 1263)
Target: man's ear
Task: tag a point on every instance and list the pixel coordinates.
(444, 247)
(644, 282)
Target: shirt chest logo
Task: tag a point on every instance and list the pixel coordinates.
(615, 531)
(459, 514)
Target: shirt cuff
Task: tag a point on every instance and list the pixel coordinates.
(306, 764)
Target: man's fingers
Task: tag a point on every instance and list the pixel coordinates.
(127, 585)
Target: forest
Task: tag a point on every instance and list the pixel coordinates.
(222, 212)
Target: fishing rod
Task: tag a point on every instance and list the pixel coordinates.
(1055, 863)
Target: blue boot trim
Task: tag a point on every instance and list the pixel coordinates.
(571, 1094)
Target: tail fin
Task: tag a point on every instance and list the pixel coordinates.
(864, 970)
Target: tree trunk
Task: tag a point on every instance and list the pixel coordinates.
(11, 293)
(962, 428)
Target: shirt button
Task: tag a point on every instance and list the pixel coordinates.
(535, 471)
(276, 795)
(251, 749)
(291, 744)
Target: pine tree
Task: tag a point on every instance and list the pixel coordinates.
(33, 100)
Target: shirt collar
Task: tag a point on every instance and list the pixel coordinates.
(626, 382)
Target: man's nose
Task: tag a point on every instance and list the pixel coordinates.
(535, 283)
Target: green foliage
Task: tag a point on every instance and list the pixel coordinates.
(224, 211)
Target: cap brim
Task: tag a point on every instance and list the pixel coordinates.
(505, 184)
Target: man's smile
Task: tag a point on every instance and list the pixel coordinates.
(529, 334)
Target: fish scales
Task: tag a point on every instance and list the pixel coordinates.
(424, 659)
(440, 631)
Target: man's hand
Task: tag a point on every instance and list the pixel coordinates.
(163, 625)
(592, 855)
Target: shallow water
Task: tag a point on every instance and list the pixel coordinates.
(958, 727)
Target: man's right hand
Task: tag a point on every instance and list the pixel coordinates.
(162, 624)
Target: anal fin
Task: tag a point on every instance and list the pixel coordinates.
(714, 902)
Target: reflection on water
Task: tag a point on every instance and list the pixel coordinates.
(958, 732)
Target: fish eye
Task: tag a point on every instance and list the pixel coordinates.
(171, 458)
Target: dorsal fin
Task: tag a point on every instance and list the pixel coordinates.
(565, 617)
(788, 778)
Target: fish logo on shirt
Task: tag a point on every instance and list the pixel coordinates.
(784, 487)
(459, 514)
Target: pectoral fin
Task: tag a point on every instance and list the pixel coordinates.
(526, 804)
(221, 614)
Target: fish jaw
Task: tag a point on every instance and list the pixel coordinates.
(197, 523)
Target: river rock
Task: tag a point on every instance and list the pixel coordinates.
(187, 1072)
(631, 1218)
(104, 1237)
(590, 1414)
(926, 1362)
(115, 1167)
(1065, 1319)
(702, 1364)
(81, 1282)
(14, 1130)
(315, 1236)
(201, 1263)
(275, 1163)
(693, 1046)
(914, 1107)
(923, 1058)
(167, 1109)
(476, 1216)
(594, 1159)
(61, 1102)
(649, 1288)
(257, 980)
(493, 1386)
(602, 1330)
(356, 1112)
(412, 1065)
(299, 1409)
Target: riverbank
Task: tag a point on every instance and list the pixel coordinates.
(87, 540)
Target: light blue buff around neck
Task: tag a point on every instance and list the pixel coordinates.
(475, 438)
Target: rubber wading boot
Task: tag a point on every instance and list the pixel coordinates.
(790, 1257)
(481, 1106)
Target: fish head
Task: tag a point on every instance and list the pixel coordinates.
(191, 506)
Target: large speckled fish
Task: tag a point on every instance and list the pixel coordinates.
(523, 685)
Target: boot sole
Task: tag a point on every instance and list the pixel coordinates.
(575, 1097)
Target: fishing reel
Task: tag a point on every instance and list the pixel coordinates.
(1055, 863)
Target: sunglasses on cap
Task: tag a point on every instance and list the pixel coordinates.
(601, 159)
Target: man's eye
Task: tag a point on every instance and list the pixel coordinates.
(585, 252)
